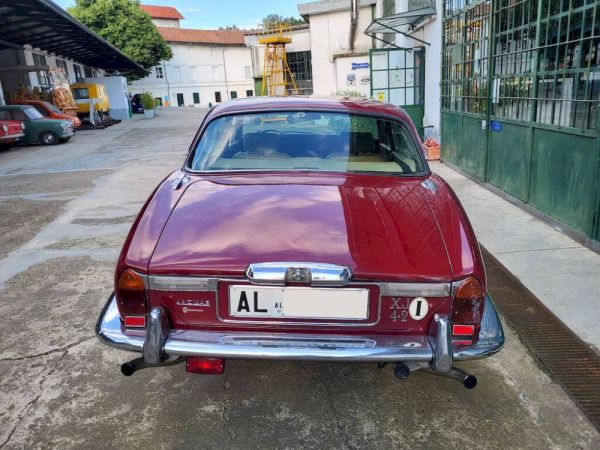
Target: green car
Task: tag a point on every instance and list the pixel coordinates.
(37, 127)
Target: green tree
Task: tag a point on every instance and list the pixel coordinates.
(277, 18)
(127, 27)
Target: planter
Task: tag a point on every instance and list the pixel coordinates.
(149, 113)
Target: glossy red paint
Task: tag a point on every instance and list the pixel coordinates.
(44, 108)
(382, 227)
(14, 129)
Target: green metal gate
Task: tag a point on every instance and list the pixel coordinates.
(398, 77)
(520, 91)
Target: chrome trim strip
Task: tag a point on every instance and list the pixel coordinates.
(305, 347)
(415, 289)
(166, 283)
(315, 274)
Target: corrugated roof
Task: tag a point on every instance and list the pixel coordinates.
(42, 24)
(162, 12)
(192, 36)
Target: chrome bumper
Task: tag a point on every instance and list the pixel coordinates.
(161, 342)
(10, 137)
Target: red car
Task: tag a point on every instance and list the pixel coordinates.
(10, 132)
(50, 111)
(303, 229)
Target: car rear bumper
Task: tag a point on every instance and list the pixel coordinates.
(160, 342)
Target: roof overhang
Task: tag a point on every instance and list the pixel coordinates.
(328, 6)
(392, 24)
(44, 25)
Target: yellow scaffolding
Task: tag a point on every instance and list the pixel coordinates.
(276, 72)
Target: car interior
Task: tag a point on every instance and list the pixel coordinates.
(367, 144)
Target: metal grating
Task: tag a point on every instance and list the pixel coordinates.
(566, 358)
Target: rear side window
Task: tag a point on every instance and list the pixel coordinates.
(81, 93)
(5, 115)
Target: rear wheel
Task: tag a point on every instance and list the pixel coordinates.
(49, 138)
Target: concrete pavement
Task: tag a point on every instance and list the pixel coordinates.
(560, 272)
(64, 212)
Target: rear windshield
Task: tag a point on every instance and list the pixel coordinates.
(81, 93)
(320, 141)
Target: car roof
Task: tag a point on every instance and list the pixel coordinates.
(16, 107)
(350, 105)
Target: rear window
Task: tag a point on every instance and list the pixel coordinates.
(81, 93)
(320, 141)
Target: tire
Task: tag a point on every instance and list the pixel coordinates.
(49, 138)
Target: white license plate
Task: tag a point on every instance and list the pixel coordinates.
(299, 302)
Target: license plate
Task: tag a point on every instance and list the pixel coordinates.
(298, 302)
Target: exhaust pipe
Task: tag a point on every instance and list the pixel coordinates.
(401, 371)
(468, 380)
(130, 367)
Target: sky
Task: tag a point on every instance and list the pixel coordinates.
(212, 14)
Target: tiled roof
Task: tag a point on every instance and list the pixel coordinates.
(162, 12)
(227, 37)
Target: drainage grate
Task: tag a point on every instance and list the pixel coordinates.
(568, 360)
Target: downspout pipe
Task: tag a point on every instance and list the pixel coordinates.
(353, 23)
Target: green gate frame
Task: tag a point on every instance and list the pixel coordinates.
(415, 110)
(520, 93)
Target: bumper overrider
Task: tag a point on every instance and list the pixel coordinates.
(160, 344)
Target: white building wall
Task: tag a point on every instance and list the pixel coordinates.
(431, 33)
(301, 42)
(202, 69)
(169, 23)
(329, 34)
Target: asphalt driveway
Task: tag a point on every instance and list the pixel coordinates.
(64, 212)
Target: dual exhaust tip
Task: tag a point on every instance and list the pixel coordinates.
(469, 381)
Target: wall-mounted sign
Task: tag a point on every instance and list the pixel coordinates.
(365, 79)
(364, 65)
(350, 79)
(495, 125)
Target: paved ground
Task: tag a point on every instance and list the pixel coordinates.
(64, 212)
(561, 272)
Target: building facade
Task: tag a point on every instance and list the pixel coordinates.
(520, 97)
(208, 66)
(38, 37)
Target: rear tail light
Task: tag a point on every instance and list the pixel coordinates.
(3, 129)
(467, 308)
(131, 294)
(206, 366)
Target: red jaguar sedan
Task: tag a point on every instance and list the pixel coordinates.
(303, 229)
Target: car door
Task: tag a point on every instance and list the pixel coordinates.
(31, 129)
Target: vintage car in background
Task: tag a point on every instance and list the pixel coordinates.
(303, 229)
(88, 93)
(38, 129)
(10, 130)
(50, 111)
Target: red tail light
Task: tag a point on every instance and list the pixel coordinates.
(206, 366)
(467, 308)
(131, 294)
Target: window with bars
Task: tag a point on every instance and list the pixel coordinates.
(42, 75)
(396, 76)
(545, 60)
(465, 56)
(300, 64)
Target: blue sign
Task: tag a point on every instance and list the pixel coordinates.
(360, 66)
(495, 125)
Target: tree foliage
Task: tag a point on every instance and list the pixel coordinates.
(270, 18)
(127, 27)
